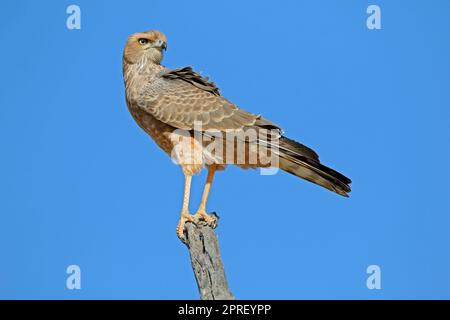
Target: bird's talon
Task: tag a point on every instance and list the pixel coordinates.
(203, 216)
(180, 227)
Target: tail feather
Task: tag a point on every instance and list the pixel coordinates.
(303, 162)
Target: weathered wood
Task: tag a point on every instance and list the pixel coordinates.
(206, 261)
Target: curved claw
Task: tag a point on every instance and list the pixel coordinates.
(201, 215)
(185, 217)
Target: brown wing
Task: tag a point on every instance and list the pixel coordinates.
(182, 97)
(192, 77)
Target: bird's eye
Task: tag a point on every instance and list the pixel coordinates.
(143, 41)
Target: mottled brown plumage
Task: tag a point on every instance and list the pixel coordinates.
(180, 109)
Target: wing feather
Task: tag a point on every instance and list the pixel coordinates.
(181, 97)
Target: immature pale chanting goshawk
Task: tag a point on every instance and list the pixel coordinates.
(189, 119)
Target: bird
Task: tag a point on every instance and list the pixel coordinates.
(184, 113)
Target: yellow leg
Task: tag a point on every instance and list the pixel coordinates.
(185, 215)
(201, 212)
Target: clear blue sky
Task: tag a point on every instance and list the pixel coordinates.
(81, 184)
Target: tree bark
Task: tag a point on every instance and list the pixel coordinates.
(206, 261)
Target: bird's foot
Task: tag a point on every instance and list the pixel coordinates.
(185, 217)
(201, 215)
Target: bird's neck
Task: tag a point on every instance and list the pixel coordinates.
(142, 68)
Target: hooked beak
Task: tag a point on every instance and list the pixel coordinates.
(160, 44)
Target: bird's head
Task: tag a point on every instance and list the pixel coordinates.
(150, 45)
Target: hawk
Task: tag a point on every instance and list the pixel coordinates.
(185, 113)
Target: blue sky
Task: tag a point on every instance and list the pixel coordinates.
(82, 184)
